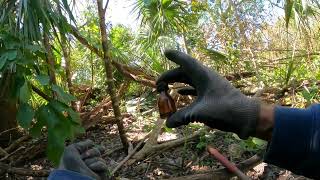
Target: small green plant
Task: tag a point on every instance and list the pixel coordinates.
(310, 94)
(253, 144)
(202, 144)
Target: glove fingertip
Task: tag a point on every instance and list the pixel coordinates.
(175, 120)
(170, 124)
(187, 91)
(84, 145)
(170, 52)
(98, 166)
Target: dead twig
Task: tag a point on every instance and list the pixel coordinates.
(23, 172)
(8, 130)
(17, 143)
(14, 152)
(3, 152)
(152, 146)
(30, 151)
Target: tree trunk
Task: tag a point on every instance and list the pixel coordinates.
(8, 110)
(185, 45)
(50, 59)
(66, 54)
(92, 69)
(108, 68)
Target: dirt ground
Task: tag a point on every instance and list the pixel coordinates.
(188, 159)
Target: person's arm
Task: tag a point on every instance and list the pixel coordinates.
(295, 141)
(265, 123)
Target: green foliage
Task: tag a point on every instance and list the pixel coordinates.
(253, 144)
(311, 94)
(161, 16)
(24, 93)
(62, 123)
(203, 142)
(43, 79)
(24, 62)
(288, 11)
(121, 40)
(25, 115)
(62, 95)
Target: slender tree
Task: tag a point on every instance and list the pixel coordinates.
(108, 69)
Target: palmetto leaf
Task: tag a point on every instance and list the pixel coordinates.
(33, 17)
(288, 11)
(161, 16)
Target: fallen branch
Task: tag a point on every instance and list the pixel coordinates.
(17, 143)
(14, 152)
(223, 173)
(22, 171)
(3, 152)
(135, 74)
(84, 100)
(97, 113)
(129, 155)
(152, 146)
(8, 130)
(132, 73)
(104, 120)
(30, 152)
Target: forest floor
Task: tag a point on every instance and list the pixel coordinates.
(190, 158)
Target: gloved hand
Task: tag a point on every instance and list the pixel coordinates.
(218, 104)
(84, 158)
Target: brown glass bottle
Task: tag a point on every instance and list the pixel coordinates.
(166, 104)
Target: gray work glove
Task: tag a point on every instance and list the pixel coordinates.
(85, 159)
(218, 104)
